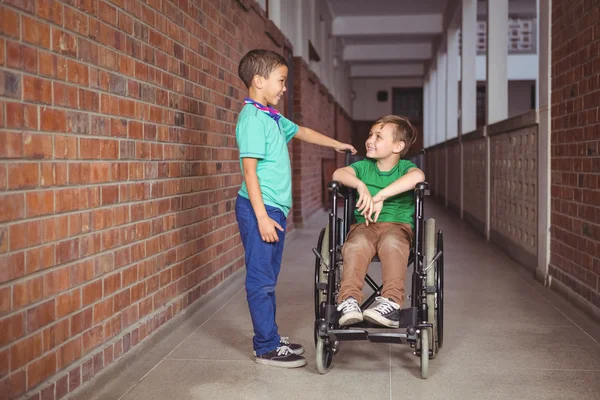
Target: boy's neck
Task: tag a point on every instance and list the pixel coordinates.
(388, 163)
(255, 95)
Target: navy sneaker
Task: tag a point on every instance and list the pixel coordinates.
(351, 312)
(282, 357)
(295, 347)
(386, 312)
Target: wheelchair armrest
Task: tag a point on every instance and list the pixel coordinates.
(422, 187)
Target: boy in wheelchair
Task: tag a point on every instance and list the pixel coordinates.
(384, 221)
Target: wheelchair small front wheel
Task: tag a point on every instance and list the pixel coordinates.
(424, 353)
(325, 354)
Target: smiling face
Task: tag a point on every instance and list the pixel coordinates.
(273, 87)
(381, 144)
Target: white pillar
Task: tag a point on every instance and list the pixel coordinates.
(433, 105)
(545, 60)
(468, 80)
(497, 61)
(452, 85)
(426, 128)
(441, 95)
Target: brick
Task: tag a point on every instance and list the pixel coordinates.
(67, 251)
(92, 338)
(89, 101)
(9, 23)
(52, 65)
(64, 43)
(14, 385)
(68, 302)
(40, 315)
(39, 203)
(87, 370)
(35, 32)
(25, 5)
(25, 351)
(52, 120)
(65, 95)
(74, 378)
(91, 292)
(2, 53)
(3, 178)
(62, 384)
(37, 146)
(100, 173)
(56, 228)
(125, 23)
(39, 258)
(81, 321)
(11, 145)
(4, 363)
(65, 147)
(78, 123)
(12, 266)
(37, 90)
(112, 283)
(21, 57)
(108, 13)
(21, 116)
(69, 352)
(77, 73)
(53, 174)
(50, 10)
(76, 21)
(56, 334)
(5, 302)
(28, 292)
(10, 85)
(22, 176)
(11, 328)
(110, 195)
(41, 369)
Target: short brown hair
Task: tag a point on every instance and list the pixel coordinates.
(259, 62)
(404, 131)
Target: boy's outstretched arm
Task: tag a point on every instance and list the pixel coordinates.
(347, 177)
(310, 136)
(403, 184)
(266, 225)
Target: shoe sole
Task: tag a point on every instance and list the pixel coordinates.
(351, 319)
(281, 364)
(296, 352)
(379, 320)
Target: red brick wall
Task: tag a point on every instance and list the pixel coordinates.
(314, 108)
(118, 174)
(575, 164)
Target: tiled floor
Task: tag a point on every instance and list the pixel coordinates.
(506, 337)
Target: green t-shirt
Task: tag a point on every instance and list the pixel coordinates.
(259, 136)
(399, 208)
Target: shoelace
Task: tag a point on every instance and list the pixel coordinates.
(284, 351)
(384, 306)
(285, 340)
(348, 305)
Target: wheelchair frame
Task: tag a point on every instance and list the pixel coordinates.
(423, 320)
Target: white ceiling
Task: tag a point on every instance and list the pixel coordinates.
(382, 36)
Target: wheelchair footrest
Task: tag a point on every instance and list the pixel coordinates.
(348, 334)
(401, 338)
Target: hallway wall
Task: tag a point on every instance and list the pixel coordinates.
(575, 147)
(119, 172)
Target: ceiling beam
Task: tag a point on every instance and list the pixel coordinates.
(386, 70)
(388, 25)
(388, 52)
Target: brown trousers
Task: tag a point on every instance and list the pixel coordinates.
(391, 242)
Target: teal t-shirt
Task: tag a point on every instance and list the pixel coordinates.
(399, 208)
(259, 136)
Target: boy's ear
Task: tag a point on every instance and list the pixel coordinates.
(399, 146)
(258, 81)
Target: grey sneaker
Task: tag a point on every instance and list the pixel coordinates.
(282, 357)
(285, 341)
(351, 312)
(386, 312)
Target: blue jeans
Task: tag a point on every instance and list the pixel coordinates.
(263, 262)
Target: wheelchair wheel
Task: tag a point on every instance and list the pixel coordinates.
(424, 353)
(325, 354)
(439, 302)
(320, 275)
(430, 251)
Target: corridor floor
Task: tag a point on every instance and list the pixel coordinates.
(506, 337)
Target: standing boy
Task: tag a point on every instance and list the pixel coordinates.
(265, 197)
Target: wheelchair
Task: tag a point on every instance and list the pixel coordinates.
(421, 324)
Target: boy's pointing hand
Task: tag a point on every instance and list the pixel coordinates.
(343, 147)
